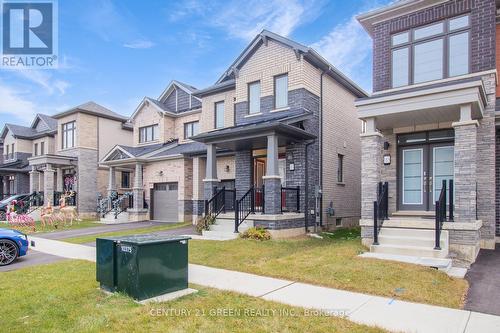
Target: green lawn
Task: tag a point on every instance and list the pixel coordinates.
(64, 297)
(138, 231)
(48, 228)
(332, 262)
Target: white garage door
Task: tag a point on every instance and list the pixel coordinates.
(165, 205)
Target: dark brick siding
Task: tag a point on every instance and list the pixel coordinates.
(482, 14)
(278, 225)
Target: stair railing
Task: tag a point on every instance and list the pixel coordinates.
(244, 207)
(216, 204)
(121, 204)
(380, 209)
(440, 208)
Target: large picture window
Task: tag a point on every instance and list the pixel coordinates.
(68, 135)
(431, 52)
(190, 129)
(281, 91)
(148, 133)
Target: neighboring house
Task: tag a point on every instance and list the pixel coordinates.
(260, 126)
(67, 160)
(160, 155)
(431, 118)
(19, 143)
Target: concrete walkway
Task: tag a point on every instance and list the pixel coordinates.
(393, 315)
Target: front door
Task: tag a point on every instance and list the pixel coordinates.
(421, 171)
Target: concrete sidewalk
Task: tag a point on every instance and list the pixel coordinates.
(393, 315)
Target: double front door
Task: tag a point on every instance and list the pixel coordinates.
(422, 169)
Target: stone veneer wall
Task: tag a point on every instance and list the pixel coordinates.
(497, 182)
(482, 15)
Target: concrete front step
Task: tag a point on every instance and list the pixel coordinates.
(408, 232)
(110, 218)
(426, 242)
(228, 227)
(219, 235)
(416, 251)
(413, 213)
(442, 264)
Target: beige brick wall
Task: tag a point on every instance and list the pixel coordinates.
(20, 145)
(149, 115)
(111, 133)
(199, 168)
(271, 60)
(341, 130)
(49, 145)
(177, 170)
(222, 162)
(207, 121)
(179, 125)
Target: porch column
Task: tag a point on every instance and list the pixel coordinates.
(138, 190)
(6, 185)
(112, 180)
(371, 167)
(48, 185)
(465, 166)
(211, 179)
(272, 180)
(59, 181)
(34, 179)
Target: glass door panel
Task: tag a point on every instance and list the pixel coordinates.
(413, 176)
(442, 168)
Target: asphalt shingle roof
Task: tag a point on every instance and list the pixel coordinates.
(92, 108)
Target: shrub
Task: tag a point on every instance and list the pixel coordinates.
(258, 233)
(204, 223)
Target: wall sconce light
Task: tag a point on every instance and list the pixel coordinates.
(227, 168)
(160, 173)
(386, 145)
(292, 166)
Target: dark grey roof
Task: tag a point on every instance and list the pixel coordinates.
(284, 116)
(218, 87)
(19, 165)
(21, 131)
(48, 120)
(94, 109)
(185, 85)
(309, 53)
(140, 151)
(185, 148)
(420, 88)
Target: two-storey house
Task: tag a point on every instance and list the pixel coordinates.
(428, 147)
(68, 160)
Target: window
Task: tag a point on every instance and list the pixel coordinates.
(340, 168)
(190, 129)
(35, 150)
(254, 97)
(219, 115)
(68, 135)
(281, 91)
(7, 152)
(148, 133)
(125, 179)
(432, 52)
(42, 148)
(12, 152)
(338, 221)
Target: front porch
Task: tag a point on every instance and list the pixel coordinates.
(426, 178)
(271, 177)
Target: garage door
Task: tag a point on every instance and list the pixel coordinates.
(165, 202)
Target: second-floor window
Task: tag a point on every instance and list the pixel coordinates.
(432, 52)
(68, 135)
(340, 168)
(219, 115)
(148, 133)
(254, 97)
(7, 152)
(12, 152)
(35, 150)
(281, 91)
(42, 148)
(190, 129)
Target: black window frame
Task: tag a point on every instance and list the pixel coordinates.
(340, 168)
(412, 42)
(35, 149)
(65, 130)
(154, 133)
(125, 176)
(276, 77)
(215, 114)
(190, 124)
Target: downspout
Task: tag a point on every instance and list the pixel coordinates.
(321, 149)
(306, 190)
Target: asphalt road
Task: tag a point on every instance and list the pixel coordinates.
(37, 258)
(484, 281)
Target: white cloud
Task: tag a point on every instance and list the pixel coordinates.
(14, 104)
(139, 44)
(45, 80)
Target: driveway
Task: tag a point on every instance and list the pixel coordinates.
(31, 259)
(484, 280)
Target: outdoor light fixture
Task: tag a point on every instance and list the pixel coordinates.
(227, 168)
(386, 145)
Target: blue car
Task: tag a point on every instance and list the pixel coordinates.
(13, 244)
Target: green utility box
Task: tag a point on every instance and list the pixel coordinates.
(142, 266)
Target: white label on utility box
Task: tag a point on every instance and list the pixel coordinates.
(183, 241)
(126, 248)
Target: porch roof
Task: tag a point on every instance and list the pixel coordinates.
(254, 135)
(56, 160)
(19, 165)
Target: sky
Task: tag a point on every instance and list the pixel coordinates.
(117, 52)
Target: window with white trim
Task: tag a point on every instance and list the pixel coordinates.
(281, 91)
(254, 97)
(68, 135)
(148, 133)
(219, 115)
(190, 129)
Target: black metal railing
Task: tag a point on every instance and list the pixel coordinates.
(104, 205)
(259, 198)
(380, 209)
(30, 203)
(445, 198)
(6, 195)
(290, 199)
(122, 203)
(229, 199)
(69, 198)
(216, 204)
(244, 207)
